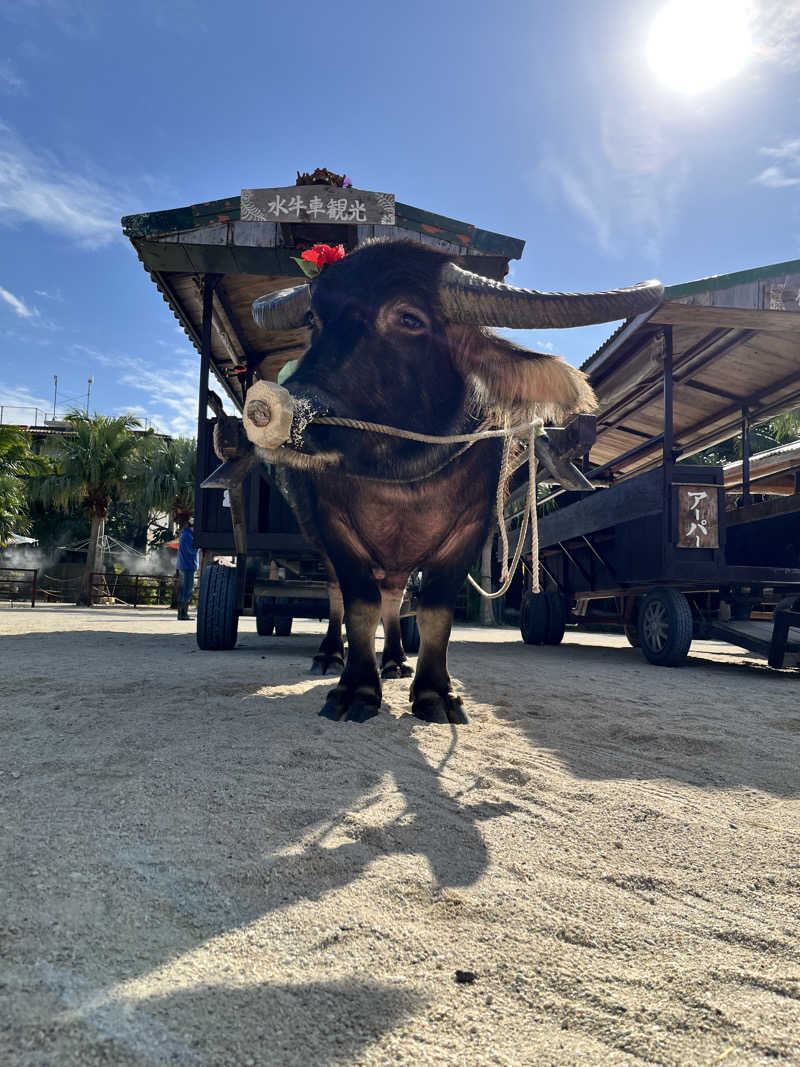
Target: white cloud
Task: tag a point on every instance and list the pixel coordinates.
(625, 186)
(776, 32)
(19, 405)
(17, 305)
(57, 295)
(37, 187)
(172, 387)
(785, 172)
(10, 81)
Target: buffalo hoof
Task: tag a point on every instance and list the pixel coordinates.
(343, 705)
(323, 661)
(438, 707)
(396, 670)
(362, 709)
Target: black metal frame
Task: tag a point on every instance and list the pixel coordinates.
(633, 526)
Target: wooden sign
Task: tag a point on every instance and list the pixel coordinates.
(318, 203)
(698, 517)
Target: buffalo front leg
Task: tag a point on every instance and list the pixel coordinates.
(331, 652)
(432, 696)
(393, 660)
(358, 695)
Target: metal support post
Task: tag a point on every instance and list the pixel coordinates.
(745, 457)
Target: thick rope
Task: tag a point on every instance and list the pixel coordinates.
(507, 572)
(425, 438)
(533, 427)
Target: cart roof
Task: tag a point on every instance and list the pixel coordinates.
(253, 258)
(736, 344)
(770, 472)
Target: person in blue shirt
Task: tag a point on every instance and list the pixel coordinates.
(187, 565)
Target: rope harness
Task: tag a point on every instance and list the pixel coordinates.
(532, 428)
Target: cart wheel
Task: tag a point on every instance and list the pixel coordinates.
(283, 625)
(534, 618)
(665, 627)
(632, 633)
(217, 613)
(556, 619)
(409, 631)
(265, 623)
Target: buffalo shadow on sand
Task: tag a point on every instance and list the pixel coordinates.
(151, 815)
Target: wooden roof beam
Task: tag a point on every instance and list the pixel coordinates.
(674, 313)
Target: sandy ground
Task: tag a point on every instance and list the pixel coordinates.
(197, 869)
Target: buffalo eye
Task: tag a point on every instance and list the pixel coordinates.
(402, 317)
(411, 322)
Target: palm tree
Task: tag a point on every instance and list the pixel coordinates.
(17, 463)
(162, 479)
(92, 463)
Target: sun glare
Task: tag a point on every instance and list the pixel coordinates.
(696, 44)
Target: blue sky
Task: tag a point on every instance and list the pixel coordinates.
(539, 120)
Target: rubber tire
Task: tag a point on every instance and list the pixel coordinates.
(556, 619)
(409, 631)
(217, 612)
(676, 612)
(283, 625)
(534, 618)
(265, 623)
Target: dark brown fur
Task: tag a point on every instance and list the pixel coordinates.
(382, 352)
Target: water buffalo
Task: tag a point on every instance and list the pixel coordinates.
(398, 337)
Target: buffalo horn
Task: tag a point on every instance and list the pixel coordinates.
(284, 310)
(469, 298)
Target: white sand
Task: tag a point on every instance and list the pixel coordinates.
(197, 869)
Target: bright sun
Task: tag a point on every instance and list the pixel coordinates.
(696, 44)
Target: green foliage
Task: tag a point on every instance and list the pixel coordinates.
(17, 464)
(91, 464)
(778, 431)
(162, 480)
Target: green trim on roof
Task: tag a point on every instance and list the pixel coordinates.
(151, 224)
(727, 281)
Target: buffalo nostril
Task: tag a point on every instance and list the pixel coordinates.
(259, 413)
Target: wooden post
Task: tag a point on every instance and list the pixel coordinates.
(210, 282)
(668, 449)
(669, 427)
(745, 457)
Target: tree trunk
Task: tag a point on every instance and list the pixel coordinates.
(487, 606)
(93, 551)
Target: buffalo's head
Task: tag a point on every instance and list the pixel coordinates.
(399, 336)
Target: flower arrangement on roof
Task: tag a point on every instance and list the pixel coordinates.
(315, 259)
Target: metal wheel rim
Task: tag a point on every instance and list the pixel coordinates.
(655, 626)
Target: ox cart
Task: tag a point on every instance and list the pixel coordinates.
(666, 548)
(210, 262)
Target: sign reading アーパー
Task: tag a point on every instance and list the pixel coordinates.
(698, 517)
(318, 203)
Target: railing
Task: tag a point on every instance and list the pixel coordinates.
(12, 583)
(30, 416)
(25, 415)
(131, 590)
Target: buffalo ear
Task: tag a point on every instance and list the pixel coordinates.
(507, 376)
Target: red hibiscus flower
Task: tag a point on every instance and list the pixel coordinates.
(320, 255)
